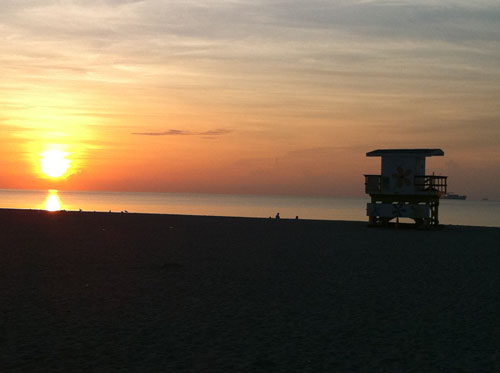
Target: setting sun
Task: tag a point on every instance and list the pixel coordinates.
(54, 163)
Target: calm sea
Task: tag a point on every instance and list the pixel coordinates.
(468, 212)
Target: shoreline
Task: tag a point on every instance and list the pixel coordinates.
(473, 213)
(101, 291)
(404, 225)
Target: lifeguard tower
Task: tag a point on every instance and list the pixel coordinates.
(403, 189)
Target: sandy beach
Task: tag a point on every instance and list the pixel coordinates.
(137, 292)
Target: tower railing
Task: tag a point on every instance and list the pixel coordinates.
(431, 183)
(422, 183)
(373, 184)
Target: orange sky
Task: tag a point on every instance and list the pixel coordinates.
(247, 97)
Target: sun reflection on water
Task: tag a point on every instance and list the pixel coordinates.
(52, 203)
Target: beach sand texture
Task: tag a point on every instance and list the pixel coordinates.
(138, 292)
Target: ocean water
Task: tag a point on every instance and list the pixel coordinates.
(456, 212)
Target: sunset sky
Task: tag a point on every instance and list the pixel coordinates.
(237, 96)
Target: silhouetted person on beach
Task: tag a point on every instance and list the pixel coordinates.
(278, 216)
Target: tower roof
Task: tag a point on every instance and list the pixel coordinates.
(405, 152)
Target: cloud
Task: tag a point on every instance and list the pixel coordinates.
(164, 133)
(231, 39)
(216, 132)
(175, 132)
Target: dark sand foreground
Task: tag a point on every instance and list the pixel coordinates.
(138, 292)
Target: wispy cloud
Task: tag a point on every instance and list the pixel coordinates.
(164, 133)
(175, 132)
(216, 132)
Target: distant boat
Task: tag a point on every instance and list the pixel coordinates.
(453, 196)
